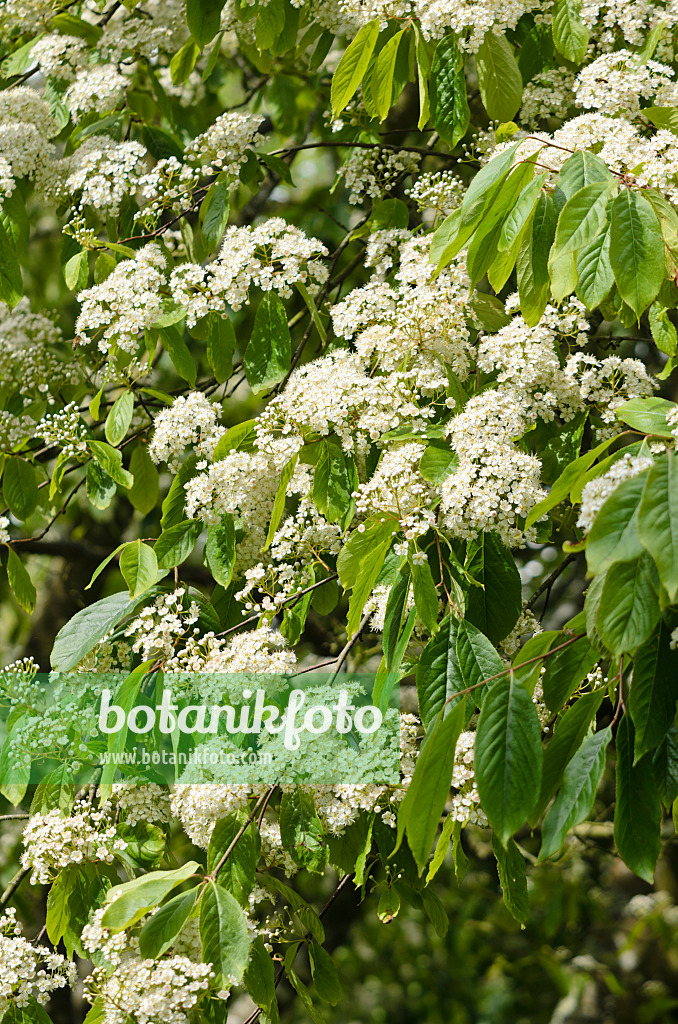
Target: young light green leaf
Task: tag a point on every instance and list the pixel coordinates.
(119, 418)
(570, 33)
(220, 550)
(658, 519)
(20, 582)
(499, 78)
(614, 534)
(127, 903)
(139, 567)
(163, 928)
(224, 935)
(353, 66)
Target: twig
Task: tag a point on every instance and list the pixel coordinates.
(13, 886)
(550, 580)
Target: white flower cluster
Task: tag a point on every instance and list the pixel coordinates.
(96, 89)
(597, 491)
(154, 991)
(398, 491)
(52, 841)
(616, 83)
(119, 309)
(224, 146)
(273, 256)
(159, 627)
(99, 174)
(630, 20)
(4, 530)
(191, 420)
(26, 126)
(28, 971)
(60, 55)
(142, 801)
(66, 430)
(381, 246)
(27, 361)
(372, 173)
(465, 802)
(199, 806)
(549, 94)
(440, 191)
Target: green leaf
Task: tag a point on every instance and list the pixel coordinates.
(393, 616)
(269, 24)
(534, 286)
(102, 565)
(508, 757)
(76, 271)
(425, 595)
(100, 487)
(223, 931)
(220, 346)
(494, 605)
(353, 65)
(86, 629)
(521, 213)
(119, 418)
(20, 487)
(420, 811)
(369, 566)
(663, 117)
(324, 974)
(143, 494)
(654, 692)
(55, 792)
(269, 351)
(499, 78)
(384, 70)
(570, 33)
(636, 250)
(129, 902)
(577, 794)
(213, 216)
(77, 890)
(139, 567)
(238, 872)
(566, 481)
(438, 462)
(628, 610)
(665, 767)
(512, 878)
(279, 503)
(182, 63)
(110, 460)
(579, 170)
(483, 249)
(260, 975)
(163, 928)
(301, 832)
(582, 218)
(595, 277)
(175, 544)
(663, 332)
(658, 520)
(173, 342)
(614, 534)
(204, 18)
(11, 283)
(334, 481)
(565, 671)
(568, 737)
(647, 415)
(637, 814)
(20, 581)
(220, 550)
(449, 105)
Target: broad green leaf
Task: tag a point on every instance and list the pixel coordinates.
(420, 811)
(214, 214)
(579, 170)
(577, 792)
(11, 283)
(499, 78)
(20, 582)
(382, 79)
(334, 480)
(99, 485)
(324, 974)
(20, 487)
(86, 629)
(566, 481)
(570, 33)
(119, 418)
(238, 872)
(569, 735)
(358, 548)
(55, 792)
(220, 346)
(203, 17)
(665, 767)
(647, 415)
(110, 460)
(182, 63)
(163, 928)
(139, 567)
(628, 610)
(102, 565)
(129, 902)
(494, 605)
(594, 270)
(279, 503)
(76, 271)
(663, 332)
(438, 462)
(269, 24)
(582, 218)
(449, 105)
(534, 285)
(658, 519)
(425, 595)
(269, 351)
(260, 975)
(175, 544)
(522, 210)
(353, 66)
(301, 833)
(77, 890)
(637, 814)
(483, 248)
(173, 342)
(653, 692)
(565, 670)
(393, 616)
(614, 534)
(663, 117)
(636, 250)
(224, 935)
(512, 878)
(143, 494)
(220, 550)
(508, 757)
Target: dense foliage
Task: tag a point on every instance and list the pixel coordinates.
(322, 325)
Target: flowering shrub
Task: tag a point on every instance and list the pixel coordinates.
(356, 304)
